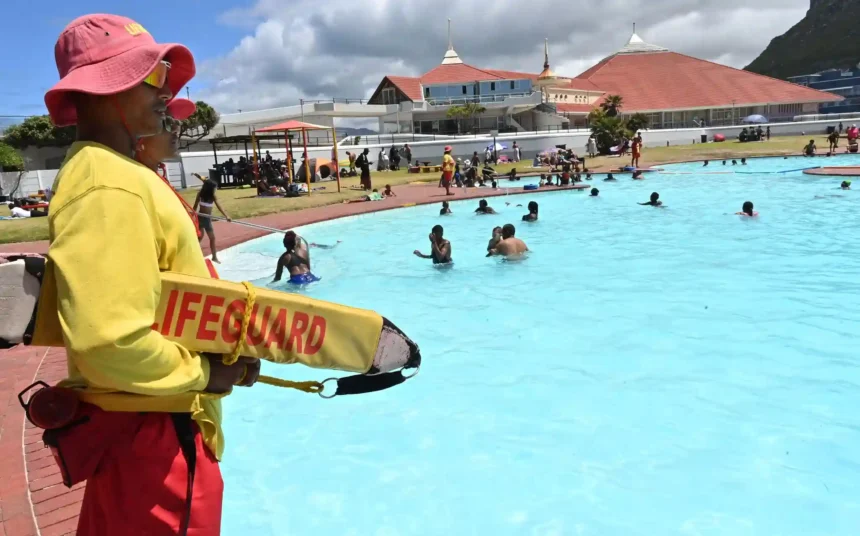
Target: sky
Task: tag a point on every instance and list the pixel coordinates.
(268, 53)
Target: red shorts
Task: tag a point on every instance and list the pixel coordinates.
(446, 177)
(140, 486)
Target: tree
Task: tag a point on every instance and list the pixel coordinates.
(10, 160)
(471, 110)
(40, 132)
(199, 125)
(637, 122)
(608, 130)
(612, 105)
(456, 112)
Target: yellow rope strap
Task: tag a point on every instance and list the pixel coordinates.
(307, 387)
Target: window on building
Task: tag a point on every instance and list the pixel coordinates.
(464, 90)
(492, 86)
(426, 92)
(513, 84)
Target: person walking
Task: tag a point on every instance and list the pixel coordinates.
(364, 164)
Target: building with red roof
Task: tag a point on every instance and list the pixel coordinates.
(673, 90)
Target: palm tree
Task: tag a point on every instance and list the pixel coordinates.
(612, 105)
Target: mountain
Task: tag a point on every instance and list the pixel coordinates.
(826, 38)
(349, 131)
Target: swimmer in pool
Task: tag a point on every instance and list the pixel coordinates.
(440, 249)
(743, 161)
(484, 208)
(747, 210)
(724, 162)
(325, 246)
(296, 260)
(610, 177)
(655, 201)
(595, 192)
(446, 209)
(637, 176)
(846, 185)
(734, 162)
(496, 238)
(705, 164)
(509, 245)
(533, 212)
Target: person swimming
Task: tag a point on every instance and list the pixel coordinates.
(747, 210)
(509, 245)
(724, 162)
(296, 260)
(743, 161)
(595, 192)
(494, 240)
(610, 177)
(533, 212)
(446, 209)
(637, 175)
(734, 162)
(846, 185)
(654, 202)
(705, 164)
(440, 249)
(484, 208)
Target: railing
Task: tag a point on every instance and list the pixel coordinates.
(478, 99)
(334, 101)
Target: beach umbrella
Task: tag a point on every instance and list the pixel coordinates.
(755, 119)
(499, 147)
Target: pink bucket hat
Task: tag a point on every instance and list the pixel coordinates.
(108, 54)
(181, 109)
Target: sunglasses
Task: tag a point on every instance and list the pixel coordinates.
(158, 77)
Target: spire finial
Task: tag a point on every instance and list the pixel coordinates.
(450, 43)
(546, 53)
(634, 27)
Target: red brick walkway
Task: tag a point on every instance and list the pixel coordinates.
(31, 490)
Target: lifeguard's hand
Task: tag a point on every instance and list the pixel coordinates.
(223, 377)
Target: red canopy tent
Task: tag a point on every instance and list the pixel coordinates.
(295, 126)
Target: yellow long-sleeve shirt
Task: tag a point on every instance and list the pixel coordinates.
(114, 226)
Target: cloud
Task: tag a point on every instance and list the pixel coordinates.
(342, 48)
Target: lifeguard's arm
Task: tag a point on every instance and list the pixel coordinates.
(279, 271)
(105, 260)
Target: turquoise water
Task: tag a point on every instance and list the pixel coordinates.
(644, 372)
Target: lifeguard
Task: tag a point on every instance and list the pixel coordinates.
(448, 166)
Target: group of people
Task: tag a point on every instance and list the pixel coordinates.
(754, 134)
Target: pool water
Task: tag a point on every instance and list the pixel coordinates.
(643, 372)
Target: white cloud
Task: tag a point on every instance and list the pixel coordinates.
(317, 49)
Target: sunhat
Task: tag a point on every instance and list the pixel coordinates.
(447, 148)
(108, 54)
(181, 109)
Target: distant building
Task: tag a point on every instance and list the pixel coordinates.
(845, 83)
(673, 90)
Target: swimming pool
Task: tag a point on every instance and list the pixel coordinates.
(644, 372)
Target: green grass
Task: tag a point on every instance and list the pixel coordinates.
(243, 203)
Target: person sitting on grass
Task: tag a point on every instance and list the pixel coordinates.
(509, 246)
(18, 211)
(533, 212)
(388, 192)
(446, 209)
(654, 202)
(440, 249)
(484, 208)
(747, 210)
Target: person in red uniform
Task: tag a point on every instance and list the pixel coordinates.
(152, 435)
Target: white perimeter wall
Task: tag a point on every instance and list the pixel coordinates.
(530, 144)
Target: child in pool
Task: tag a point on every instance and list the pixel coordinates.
(654, 202)
(747, 210)
(446, 209)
